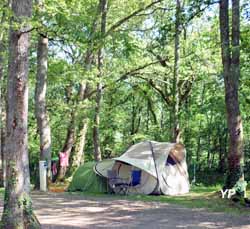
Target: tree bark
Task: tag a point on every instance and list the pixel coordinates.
(231, 71)
(2, 118)
(17, 203)
(68, 145)
(2, 95)
(2, 143)
(2, 104)
(40, 101)
(200, 127)
(96, 135)
(78, 155)
(175, 91)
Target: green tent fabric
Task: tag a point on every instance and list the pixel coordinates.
(86, 180)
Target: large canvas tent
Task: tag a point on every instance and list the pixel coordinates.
(163, 168)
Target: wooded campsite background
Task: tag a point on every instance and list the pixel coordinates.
(120, 72)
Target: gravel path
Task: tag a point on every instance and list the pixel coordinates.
(60, 210)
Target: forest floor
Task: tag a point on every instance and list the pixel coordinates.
(64, 210)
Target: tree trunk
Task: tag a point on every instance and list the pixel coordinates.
(68, 145)
(17, 203)
(40, 101)
(231, 72)
(133, 116)
(151, 109)
(200, 127)
(175, 114)
(2, 147)
(96, 135)
(78, 155)
(2, 104)
(2, 95)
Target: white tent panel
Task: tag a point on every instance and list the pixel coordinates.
(101, 168)
(174, 180)
(147, 183)
(139, 155)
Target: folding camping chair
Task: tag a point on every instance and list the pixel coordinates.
(116, 184)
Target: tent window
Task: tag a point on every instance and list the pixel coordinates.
(170, 161)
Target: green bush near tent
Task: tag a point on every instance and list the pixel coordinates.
(85, 180)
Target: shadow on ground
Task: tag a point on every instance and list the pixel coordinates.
(60, 210)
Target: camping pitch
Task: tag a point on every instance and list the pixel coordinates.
(150, 168)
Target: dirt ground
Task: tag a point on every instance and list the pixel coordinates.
(61, 210)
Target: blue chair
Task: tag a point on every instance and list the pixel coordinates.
(135, 177)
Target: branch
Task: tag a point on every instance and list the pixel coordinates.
(133, 71)
(154, 86)
(123, 20)
(164, 97)
(26, 31)
(124, 76)
(201, 10)
(150, 104)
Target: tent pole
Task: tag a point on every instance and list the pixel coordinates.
(154, 159)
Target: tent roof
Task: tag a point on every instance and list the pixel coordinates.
(139, 155)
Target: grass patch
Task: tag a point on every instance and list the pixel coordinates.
(208, 198)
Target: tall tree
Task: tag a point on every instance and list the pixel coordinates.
(2, 132)
(175, 113)
(40, 100)
(230, 53)
(17, 203)
(96, 136)
(3, 32)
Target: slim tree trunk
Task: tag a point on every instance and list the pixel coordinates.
(78, 155)
(2, 128)
(68, 145)
(17, 203)
(96, 135)
(231, 72)
(40, 101)
(2, 95)
(175, 114)
(200, 125)
(2, 137)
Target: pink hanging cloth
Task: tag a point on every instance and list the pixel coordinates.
(64, 159)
